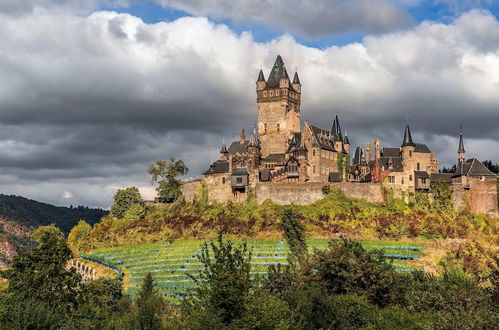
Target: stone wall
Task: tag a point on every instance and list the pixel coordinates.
(189, 189)
(480, 195)
(305, 193)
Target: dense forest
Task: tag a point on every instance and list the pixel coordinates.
(19, 216)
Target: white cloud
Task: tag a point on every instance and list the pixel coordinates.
(87, 102)
(311, 18)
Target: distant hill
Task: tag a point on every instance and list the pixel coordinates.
(19, 216)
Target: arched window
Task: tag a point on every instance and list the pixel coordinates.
(313, 153)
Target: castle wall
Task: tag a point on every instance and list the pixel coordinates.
(480, 195)
(189, 189)
(305, 193)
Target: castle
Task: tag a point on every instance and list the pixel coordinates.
(288, 164)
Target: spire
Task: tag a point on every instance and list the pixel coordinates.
(336, 130)
(296, 80)
(278, 71)
(223, 150)
(345, 140)
(408, 138)
(253, 142)
(261, 77)
(461, 143)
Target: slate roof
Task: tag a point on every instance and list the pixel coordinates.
(219, 166)
(295, 142)
(423, 148)
(390, 152)
(441, 177)
(407, 137)
(473, 167)
(358, 157)
(335, 177)
(240, 171)
(238, 147)
(323, 138)
(278, 71)
(421, 175)
(336, 129)
(296, 80)
(461, 143)
(274, 158)
(261, 77)
(397, 163)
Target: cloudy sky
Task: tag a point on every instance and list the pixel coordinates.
(93, 91)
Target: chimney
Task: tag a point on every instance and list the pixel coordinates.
(242, 137)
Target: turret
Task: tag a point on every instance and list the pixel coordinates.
(284, 80)
(346, 143)
(296, 83)
(223, 152)
(460, 150)
(260, 82)
(337, 135)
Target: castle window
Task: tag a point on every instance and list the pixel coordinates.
(278, 127)
(313, 167)
(285, 92)
(402, 180)
(239, 180)
(223, 180)
(265, 127)
(410, 177)
(391, 179)
(271, 94)
(313, 153)
(265, 94)
(423, 180)
(410, 153)
(418, 166)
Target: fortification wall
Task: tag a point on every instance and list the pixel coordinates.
(305, 193)
(480, 197)
(189, 189)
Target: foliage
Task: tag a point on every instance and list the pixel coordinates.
(135, 212)
(124, 199)
(40, 283)
(149, 305)
(224, 281)
(294, 234)
(78, 237)
(347, 268)
(165, 174)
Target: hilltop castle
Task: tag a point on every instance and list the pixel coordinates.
(288, 164)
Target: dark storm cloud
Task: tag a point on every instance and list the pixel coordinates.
(87, 103)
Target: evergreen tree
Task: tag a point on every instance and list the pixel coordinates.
(294, 234)
(149, 305)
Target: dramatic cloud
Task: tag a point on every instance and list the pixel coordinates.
(87, 102)
(310, 18)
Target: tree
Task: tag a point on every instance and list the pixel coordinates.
(493, 168)
(124, 199)
(78, 237)
(165, 173)
(41, 292)
(135, 212)
(294, 234)
(149, 305)
(347, 268)
(225, 281)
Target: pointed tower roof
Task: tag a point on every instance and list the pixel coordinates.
(261, 77)
(278, 71)
(296, 80)
(345, 140)
(336, 130)
(461, 143)
(408, 138)
(223, 150)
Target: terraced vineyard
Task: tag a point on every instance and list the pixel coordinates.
(170, 263)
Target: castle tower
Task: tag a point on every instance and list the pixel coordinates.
(254, 152)
(337, 135)
(368, 151)
(278, 103)
(407, 150)
(460, 150)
